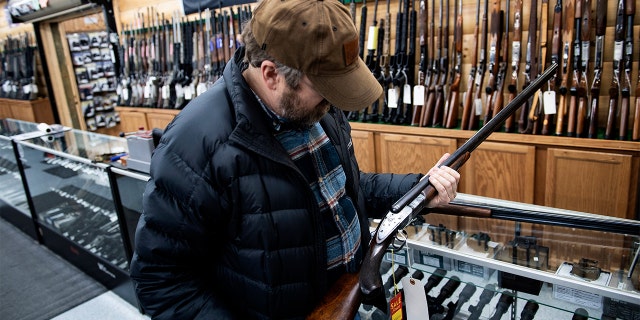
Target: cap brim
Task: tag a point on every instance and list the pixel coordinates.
(352, 91)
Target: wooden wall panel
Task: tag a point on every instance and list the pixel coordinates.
(158, 120)
(412, 154)
(365, 150)
(131, 121)
(586, 181)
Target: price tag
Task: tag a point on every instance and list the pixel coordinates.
(26, 89)
(201, 88)
(477, 103)
(549, 102)
(34, 88)
(406, 94)
(415, 297)
(393, 97)
(125, 93)
(166, 91)
(188, 93)
(418, 95)
(179, 91)
(147, 91)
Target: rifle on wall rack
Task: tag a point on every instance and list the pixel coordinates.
(601, 25)
(618, 47)
(625, 86)
(498, 96)
(567, 37)
(434, 72)
(536, 110)
(419, 88)
(494, 53)
(577, 72)
(443, 40)
(515, 61)
(531, 67)
(635, 134)
(467, 106)
(451, 115)
(474, 116)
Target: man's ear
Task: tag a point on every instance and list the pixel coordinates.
(269, 74)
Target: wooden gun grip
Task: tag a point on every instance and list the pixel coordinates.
(341, 302)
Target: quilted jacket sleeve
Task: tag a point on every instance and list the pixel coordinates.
(381, 190)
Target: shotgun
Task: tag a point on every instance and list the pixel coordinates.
(601, 24)
(515, 61)
(585, 37)
(555, 58)
(430, 102)
(494, 53)
(467, 107)
(343, 300)
(443, 38)
(618, 47)
(531, 67)
(419, 89)
(451, 116)
(577, 71)
(474, 116)
(567, 35)
(625, 86)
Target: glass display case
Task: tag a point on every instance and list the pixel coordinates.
(13, 200)
(128, 187)
(69, 188)
(483, 258)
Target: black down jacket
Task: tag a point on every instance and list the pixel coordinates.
(230, 227)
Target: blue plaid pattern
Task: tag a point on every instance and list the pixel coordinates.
(315, 156)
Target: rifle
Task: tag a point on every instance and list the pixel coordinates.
(515, 61)
(427, 113)
(535, 120)
(625, 89)
(355, 115)
(494, 53)
(451, 116)
(529, 310)
(577, 71)
(555, 58)
(394, 94)
(467, 107)
(567, 36)
(585, 36)
(443, 40)
(618, 47)
(601, 24)
(419, 88)
(410, 65)
(498, 96)
(531, 68)
(474, 117)
(385, 62)
(370, 59)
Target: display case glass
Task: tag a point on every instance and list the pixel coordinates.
(128, 187)
(531, 262)
(70, 191)
(13, 199)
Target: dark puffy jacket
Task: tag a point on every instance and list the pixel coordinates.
(230, 227)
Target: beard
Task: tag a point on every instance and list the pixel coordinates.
(300, 118)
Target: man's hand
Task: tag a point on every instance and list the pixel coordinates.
(445, 181)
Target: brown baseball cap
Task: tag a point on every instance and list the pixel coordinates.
(318, 38)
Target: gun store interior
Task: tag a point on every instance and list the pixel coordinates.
(546, 224)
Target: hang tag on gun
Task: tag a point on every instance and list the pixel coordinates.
(414, 298)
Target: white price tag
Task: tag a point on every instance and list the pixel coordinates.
(549, 99)
(147, 91)
(618, 46)
(188, 93)
(393, 97)
(406, 94)
(414, 298)
(166, 91)
(26, 89)
(179, 91)
(125, 93)
(202, 87)
(477, 103)
(418, 95)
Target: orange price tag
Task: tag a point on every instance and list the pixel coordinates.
(395, 307)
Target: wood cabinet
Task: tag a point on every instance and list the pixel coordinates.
(131, 119)
(590, 175)
(28, 110)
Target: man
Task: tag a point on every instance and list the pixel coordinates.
(256, 204)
